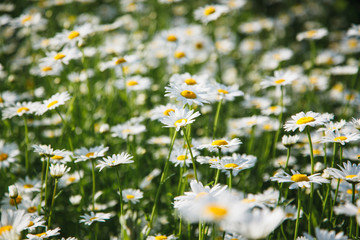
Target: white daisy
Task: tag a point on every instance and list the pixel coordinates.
(234, 164)
(161, 111)
(8, 154)
(28, 185)
(298, 180)
(43, 235)
(222, 144)
(323, 234)
(13, 220)
(179, 118)
(132, 195)
(210, 13)
(302, 120)
(19, 109)
(53, 102)
(129, 128)
(98, 217)
(62, 57)
(58, 170)
(312, 34)
(161, 237)
(187, 94)
(84, 154)
(223, 92)
(337, 137)
(280, 78)
(289, 141)
(350, 172)
(180, 157)
(115, 160)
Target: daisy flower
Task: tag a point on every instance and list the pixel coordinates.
(179, 118)
(333, 126)
(134, 83)
(8, 154)
(162, 111)
(70, 178)
(188, 79)
(129, 128)
(280, 78)
(53, 102)
(35, 221)
(298, 180)
(115, 160)
(337, 137)
(210, 13)
(19, 109)
(58, 170)
(222, 144)
(207, 160)
(43, 235)
(187, 94)
(76, 36)
(43, 150)
(28, 185)
(289, 141)
(312, 34)
(84, 154)
(98, 217)
(323, 234)
(180, 157)
(226, 93)
(62, 57)
(235, 163)
(354, 30)
(350, 172)
(15, 221)
(132, 195)
(161, 237)
(302, 120)
(349, 209)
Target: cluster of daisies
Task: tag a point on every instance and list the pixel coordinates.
(202, 97)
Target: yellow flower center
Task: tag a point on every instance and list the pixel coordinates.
(349, 191)
(181, 157)
(167, 111)
(231, 165)
(289, 215)
(57, 157)
(273, 108)
(46, 69)
(279, 81)
(26, 19)
(222, 91)
(5, 229)
(277, 56)
(171, 38)
(132, 83)
(352, 43)
(3, 156)
(350, 176)
(199, 45)
(213, 160)
(311, 33)
(190, 81)
(201, 194)
(248, 200)
(18, 200)
(1, 100)
(28, 186)
(52, 104)
(188, 94)
(32, 209)
(90, 154)
(316, 151)
(130, 196)
(93, 218)
(219, 143)
(341, 138)
(162, 237)
(209, 10)
(22, 109)
(59, 56)
(300, 178)
(73, 35)
(313, 80)
(180, 121)
(120, 61)
(31, 223)
(40, 234)
(71, 179)
(216, 211)
(267, 127)
(179, 54)
(305, 120)
(330, 61)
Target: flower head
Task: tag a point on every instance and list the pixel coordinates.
(299, 180)
(115, 160)
(302, 120)
(179, 118)
(58, 170)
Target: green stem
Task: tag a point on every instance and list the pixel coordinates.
(120, 191)
(93, 184)
(313, 52)
(333, 156)
(298, 214)
(230, 179)
(26, 145)
(46, 178)
(52, 203)
(287, 158)
(216, 118)
(218, 170)
(162, 181)
(311, 149)
(312, 172)
(281, 101)
(42, 185)
(334, 202)
(191, 154)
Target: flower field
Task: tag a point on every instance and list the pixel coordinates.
(177, 119)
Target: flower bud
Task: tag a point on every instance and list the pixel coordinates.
(13, 192)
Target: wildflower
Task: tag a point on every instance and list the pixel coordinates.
(15, 221)
(354, 30)
(70, 178)
(134, 83)
(187, 94)
(210, 13)
(115, 160)
(147, 180)
(13, 192)
(62, 57)
(323, 234)
(44, 150)
(53, 102)
(280, 78)
(35, 221)
(8, 154)
(19, 109)
(222, 144)
(98, 217)
(226, 93)
(289, 141)
(350, 172)
(333, 126)
(298, 180)
(180, 157)
(179, 118)
(43, 235)
(302, 120)
(312, 34)
(235, 163)
(190, 80)
(162, 111)
(58, 170)
(161, 237)
(132, 195)
(337, 137)
(84, 154)
(129, 128)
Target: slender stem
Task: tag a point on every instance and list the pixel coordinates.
(191, 154)
(281, 102)
(162, 180)
(334, 202)
(333, 156)
(311, 150)
(313, 52)
(216, 118)
(287, 158)
(218, 170)
(52, 203)
(26, 145)
(312, 184)
(353, 202)
(42, 185)
(298, 214)
(120, 191)
(93, 184)
(46, 178)
(341, 154)
(230, 179)
(16, 206)
(200, 231)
